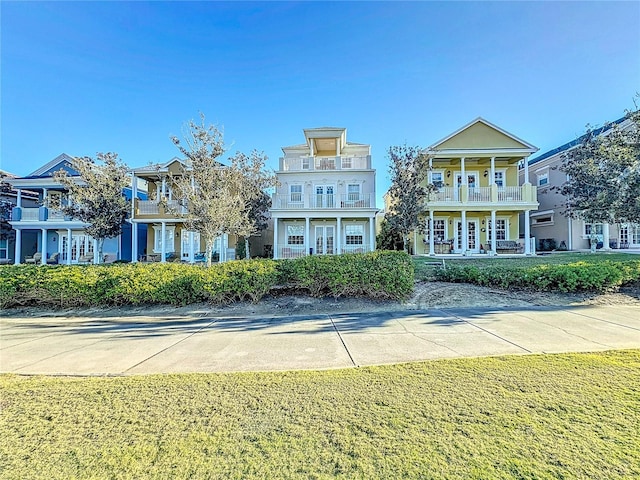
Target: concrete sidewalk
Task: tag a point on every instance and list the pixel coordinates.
(143, 345)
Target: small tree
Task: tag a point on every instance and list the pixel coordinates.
(409, 191)
(388, 238)
(96, 197)
(603, 184)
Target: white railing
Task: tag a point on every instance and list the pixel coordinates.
(173, 207)
(30, 214)
(293, 201)
(510, 194)
(148, 207)
(479, 194)
(55, 215)
(345, 201)
(355, 248)
(291, 251)
(323, 200)
(361, 162)
(356, 200)
(444, 194)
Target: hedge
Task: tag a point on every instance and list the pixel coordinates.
(572, 277)
(377, 275)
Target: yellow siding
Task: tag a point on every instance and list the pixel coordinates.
(480, 136)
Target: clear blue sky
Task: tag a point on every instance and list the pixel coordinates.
(84, 77)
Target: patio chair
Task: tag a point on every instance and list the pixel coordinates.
(53, 259)
(35, 259)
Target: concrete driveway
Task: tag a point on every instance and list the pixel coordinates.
(144, 345)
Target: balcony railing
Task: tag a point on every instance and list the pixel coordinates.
(302, 164)
(510, 194)
(30, 214)
(298, 201)
(297, 251)
(151, 207)
(492, 194)
(148, 207)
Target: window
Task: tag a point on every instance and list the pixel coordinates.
(295, 235)
(439, 231)
(437, 179)
(499, 179)
(305, 163)
(4, 251)
(354, 234)
(501, 229)
(295, 193)
(543, 179)
(596, 228)
(353, 192)
(346, 162)
(169, 234)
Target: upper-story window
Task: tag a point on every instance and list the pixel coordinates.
(499, 179)
(306, 163)
(295, 193)
(543, 179)
(437, 179)
(353, 192)
(346, 162)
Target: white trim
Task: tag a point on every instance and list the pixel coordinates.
(63, 157)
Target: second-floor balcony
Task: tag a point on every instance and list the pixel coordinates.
(302, 164)
(298, 201)
(152, 208)
(38, 214)
(487, 195)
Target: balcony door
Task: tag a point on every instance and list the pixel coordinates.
(472, 182)
(325, 235)
(325, 197)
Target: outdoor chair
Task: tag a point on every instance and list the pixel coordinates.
(35, 259)
(53, 259)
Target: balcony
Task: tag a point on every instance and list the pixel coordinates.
(305, 164)
(38, 214)
(297, 251)
(507, 196)
(151, 208)
(342, 201)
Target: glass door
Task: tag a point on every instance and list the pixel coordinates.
(324, 240)
(186, 249)
(324, 196)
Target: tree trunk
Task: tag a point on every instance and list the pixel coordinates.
(209, 250)
(405, 241)
(247, 255)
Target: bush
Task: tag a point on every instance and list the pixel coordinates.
(378, 275)
(572, 277)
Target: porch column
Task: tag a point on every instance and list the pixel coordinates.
(526, 169)
(494, 235)
(134, 242)
(163, 236)
(432, 250)
(570, 234)
(527, 233)
(18, 246)
(134, 195)
(465, 233)
(44, 247)
(191, 252)
(69, 238)
(307, 238)
(19, 198)
(163, 193)
(492, 180)
(96, 254)
(372, 233)
(605, 236)
(275, 239)
(430, 170)
(339, 236)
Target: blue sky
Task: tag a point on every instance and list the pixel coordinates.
(85, 77)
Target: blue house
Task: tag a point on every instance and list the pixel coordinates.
(44, 235)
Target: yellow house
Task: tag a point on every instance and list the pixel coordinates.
(475, 170)
(163, 215)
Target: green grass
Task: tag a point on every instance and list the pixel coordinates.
(424, 272)
(529, 417)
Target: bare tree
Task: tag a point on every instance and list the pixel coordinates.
(96, 195)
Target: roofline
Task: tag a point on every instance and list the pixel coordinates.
(489, 124)
(44, 168)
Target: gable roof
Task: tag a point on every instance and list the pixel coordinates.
(62, 161)
(575, 142)
(513, 141)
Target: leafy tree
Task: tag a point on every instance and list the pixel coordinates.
(95, 197)
(6, 232)
(388, 238)
(603, 184)
(409, 191)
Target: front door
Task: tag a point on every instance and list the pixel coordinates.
(188, 251)
(324, 239)
(472, 243)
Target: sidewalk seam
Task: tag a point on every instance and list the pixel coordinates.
(335, 327)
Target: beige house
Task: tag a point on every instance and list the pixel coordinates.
(475, 170)
(167, 237)
(325, 201)
(549, 224)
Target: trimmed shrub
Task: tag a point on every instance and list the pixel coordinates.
(378, 275)
(573, 277)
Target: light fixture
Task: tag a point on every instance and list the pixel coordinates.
(486, 172)
(483, 221)
(448, 173)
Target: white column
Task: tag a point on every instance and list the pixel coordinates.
(44, 246)
(45, 194)
(372, 233)
(463, 172)
(430, 170)
(307, 238)
(527, 233)
(339, 236)
(163, 236)
(570, 234)
(18, 246)
(19, 198)
(163, 193)
(134, 195)
(275, 238)
(494, 235)
(432, 250)
(492, 180)
(134, 242)
(526, 170)
(96, 254)
(465, 233)
(191, 252)
(69, 239)
(605, 236)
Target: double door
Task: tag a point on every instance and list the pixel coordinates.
(324, 240)
(472, 241)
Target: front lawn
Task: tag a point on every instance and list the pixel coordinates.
(552, 416)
